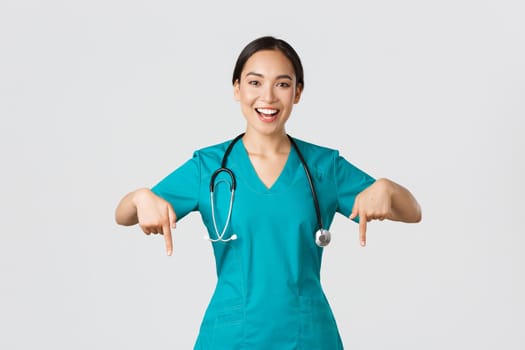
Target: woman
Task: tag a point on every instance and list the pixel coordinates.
(268, 293)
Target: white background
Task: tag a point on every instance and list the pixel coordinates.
(98, 98)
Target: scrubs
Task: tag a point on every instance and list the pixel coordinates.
(268, 293)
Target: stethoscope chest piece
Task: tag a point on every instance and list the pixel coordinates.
(322, 237)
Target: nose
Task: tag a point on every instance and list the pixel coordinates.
(268, 94)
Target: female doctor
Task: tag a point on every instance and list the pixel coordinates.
(267, 201)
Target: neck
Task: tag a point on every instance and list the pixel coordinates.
(266, 144)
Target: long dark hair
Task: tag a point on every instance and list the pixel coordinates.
(269, 43)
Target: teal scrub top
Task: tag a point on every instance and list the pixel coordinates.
(268, 293)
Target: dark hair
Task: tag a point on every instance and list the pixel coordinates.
(269, 43)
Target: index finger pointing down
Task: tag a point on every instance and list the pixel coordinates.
(166, 231)
(362, 229)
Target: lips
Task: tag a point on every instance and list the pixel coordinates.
(267, 114)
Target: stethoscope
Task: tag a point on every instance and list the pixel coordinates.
(322, 236)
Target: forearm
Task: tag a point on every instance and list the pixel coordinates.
(403, 206)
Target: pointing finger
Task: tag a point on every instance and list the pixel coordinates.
(167, 238)
(362, 229)
(166, 231)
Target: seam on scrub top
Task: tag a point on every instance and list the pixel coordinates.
(200, 184)
(243, 283)
(334, 176)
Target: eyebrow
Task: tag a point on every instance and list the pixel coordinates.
(282, 76)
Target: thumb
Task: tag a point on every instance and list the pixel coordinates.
(172, 217)
(355, 210)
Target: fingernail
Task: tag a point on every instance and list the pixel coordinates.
(363, 243)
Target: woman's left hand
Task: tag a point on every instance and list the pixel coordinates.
(384, 199)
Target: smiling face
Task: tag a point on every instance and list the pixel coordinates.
(267, 91)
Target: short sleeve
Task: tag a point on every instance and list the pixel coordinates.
(350, 182)
(181, 188)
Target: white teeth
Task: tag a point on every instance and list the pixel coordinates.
(266, 111)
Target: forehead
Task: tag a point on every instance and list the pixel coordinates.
(268, 63)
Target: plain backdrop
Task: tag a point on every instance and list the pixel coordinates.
(98, 98)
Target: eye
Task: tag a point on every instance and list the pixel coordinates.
(283, 84)
(254, 83)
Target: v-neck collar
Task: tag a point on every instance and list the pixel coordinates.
(248, 174)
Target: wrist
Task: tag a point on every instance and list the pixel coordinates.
(387, 186)
(139, 195)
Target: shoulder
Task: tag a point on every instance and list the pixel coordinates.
(212, 150)
(321, 160)
(212, 154)
(315, 153)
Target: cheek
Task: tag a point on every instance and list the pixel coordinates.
(289, 97)
(247, 96)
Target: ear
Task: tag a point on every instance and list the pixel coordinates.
(298, 92)
(236, 90)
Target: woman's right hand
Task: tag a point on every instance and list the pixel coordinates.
(152, 213)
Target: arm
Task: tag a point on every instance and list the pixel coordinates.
(384, 200)
(152, 213)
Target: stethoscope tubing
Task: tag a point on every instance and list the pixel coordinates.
(310, 182)
(322, 235)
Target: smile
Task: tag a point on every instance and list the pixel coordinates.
(267, 114)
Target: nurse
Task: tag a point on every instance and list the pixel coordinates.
(268, 293)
